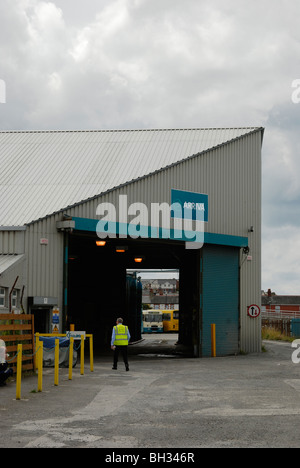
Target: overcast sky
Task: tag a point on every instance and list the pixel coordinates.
(118, 64)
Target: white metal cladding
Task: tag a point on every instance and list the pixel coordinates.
(12, 241)
(7, 261)
(231, 176)
(45, 262)
(43, 172)
(12, 272)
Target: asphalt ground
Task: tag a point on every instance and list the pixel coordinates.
(164, 401)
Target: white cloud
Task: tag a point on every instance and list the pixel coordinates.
(280, 260)
(141, 63)
(162, 56)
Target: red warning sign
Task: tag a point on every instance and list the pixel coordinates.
(254, 311)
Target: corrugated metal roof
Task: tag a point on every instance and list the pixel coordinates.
(280, 300)
(43, 172)
(6, 261)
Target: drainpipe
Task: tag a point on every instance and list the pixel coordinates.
(21, 300)
(10, 294)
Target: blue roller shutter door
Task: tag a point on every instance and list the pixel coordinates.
(220, 299)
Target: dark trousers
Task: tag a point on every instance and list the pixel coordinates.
(123, 350)
(5, 372)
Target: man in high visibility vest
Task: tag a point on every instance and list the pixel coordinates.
(119, 342)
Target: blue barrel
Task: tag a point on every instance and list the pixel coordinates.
(49, 341)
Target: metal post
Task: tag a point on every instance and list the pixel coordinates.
(82, 356)
(40, 348)
(91, 353)
(19, 372)
(37, 341)
(56, 363)
(71, 350)
(213, 340)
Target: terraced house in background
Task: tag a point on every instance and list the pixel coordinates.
(51, 185)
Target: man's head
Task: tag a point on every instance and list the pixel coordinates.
(119, 320)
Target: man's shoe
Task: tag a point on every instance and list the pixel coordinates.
(127, 369)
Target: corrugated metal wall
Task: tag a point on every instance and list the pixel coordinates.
(229, 174)
(12, 246)
(45, 261)
(12, 242)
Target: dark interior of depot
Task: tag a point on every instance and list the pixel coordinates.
(100, 289)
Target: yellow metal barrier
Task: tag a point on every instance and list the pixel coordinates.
(82, 356)
(213, 340)
(63, 335)
(71, 358)
(39, 360)
(40, 349)
(56, 363)
(91, 354)
(19, 372)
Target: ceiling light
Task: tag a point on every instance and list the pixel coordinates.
(100, 243)
(121, 249)
(73, 257)
(138, 259)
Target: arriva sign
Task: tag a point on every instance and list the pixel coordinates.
(193, 205)
(182, 220)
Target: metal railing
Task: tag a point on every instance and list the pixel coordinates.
(39, 353)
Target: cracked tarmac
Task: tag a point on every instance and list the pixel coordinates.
(237, 401)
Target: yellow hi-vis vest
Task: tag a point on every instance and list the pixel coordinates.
(121, 338)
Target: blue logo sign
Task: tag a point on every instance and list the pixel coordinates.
(189, 205)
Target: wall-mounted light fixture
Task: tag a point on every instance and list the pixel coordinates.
(251, 229)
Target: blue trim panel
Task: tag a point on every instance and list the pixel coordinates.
(224, 239)
(90, 225)
(220, 299)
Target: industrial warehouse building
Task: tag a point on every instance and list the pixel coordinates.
(61, 191)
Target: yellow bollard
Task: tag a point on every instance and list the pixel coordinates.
(56, 363)
(19, 372)
(36, 361)
(213, 340)
(72, 327)
(71, 349)
(91, 353)
(82, 356)
(40, 365)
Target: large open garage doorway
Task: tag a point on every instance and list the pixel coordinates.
(100, 289)
(159, 312)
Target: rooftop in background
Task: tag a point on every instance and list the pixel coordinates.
(280, 300)
(44, 172)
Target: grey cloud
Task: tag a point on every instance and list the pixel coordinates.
(141, 64)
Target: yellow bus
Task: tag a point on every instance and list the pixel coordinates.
(171, 320)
